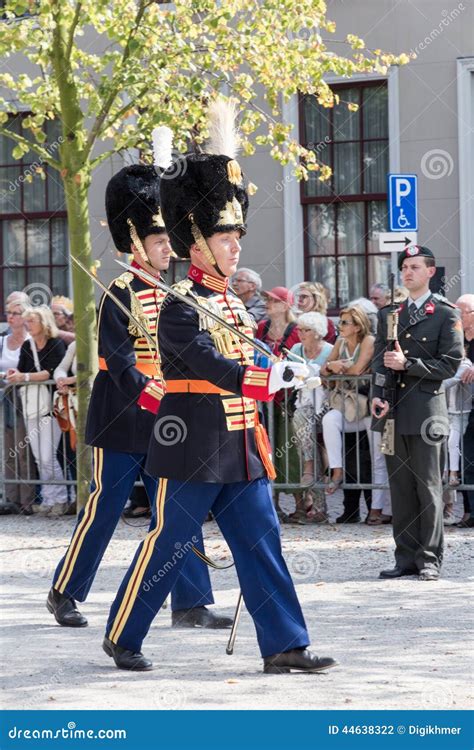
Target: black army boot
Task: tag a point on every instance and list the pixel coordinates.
(126, 659)
(64, 609)
(199, 617)
(297, 660)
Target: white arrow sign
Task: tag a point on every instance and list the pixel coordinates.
(390, 242)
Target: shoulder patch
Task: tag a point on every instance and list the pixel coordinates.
(124, 280)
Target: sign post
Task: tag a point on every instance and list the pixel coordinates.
(394, 243)
(402, 202)
(403, 216)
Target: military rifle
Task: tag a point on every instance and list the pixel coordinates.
(387, 445)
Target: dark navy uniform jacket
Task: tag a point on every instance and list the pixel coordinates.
(126, 393)
(431, 339)
(207, 437)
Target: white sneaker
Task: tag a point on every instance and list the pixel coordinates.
(449, 519)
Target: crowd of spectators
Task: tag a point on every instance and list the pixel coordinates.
(321, 436)
(38, 373)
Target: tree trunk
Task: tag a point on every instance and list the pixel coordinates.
(76, 189)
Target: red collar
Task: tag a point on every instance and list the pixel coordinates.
(134, 264)
(215, 283)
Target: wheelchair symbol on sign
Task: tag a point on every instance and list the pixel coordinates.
(402, 220)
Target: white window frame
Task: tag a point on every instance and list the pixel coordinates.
(293, 210)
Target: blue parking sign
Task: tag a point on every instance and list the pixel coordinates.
(402, 202)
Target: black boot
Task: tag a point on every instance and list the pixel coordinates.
(348, 517)
(199, 617)
(397, 572)
(125, 659)
(64, 609)
(299, 660)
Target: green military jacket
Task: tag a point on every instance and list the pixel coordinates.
(431, 340)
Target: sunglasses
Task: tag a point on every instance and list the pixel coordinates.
(346, 323)
(13, 314)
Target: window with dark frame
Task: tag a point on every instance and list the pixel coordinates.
(34, 252)
(344, 216)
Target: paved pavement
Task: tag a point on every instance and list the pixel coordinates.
(400, 644)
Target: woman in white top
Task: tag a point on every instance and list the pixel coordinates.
(18, 458)
(352, 355)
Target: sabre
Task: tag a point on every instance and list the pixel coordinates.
(115, 299)
(192, 303)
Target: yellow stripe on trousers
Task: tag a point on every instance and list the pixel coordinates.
(138, 572)
(86, 522)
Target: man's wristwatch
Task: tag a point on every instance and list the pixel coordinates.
(27, 377)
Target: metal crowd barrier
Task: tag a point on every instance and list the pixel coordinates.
(20, 468)
(287, 451)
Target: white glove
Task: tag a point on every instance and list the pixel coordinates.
(280, 375)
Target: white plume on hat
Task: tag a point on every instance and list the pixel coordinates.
(224, 138)
(162, 138)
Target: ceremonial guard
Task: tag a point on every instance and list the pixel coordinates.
(428, 350)
(219, 456)
(125, 398)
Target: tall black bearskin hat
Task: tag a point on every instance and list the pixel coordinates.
(132, 197)
(206, 193)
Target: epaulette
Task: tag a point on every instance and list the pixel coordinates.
(183, 286)
(136, 308)
(124, 280)
(445, 300)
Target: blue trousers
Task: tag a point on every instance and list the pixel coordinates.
(114, 476)
(245, 514)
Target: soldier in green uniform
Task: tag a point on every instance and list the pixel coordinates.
(429, 350)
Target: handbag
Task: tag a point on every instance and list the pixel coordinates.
(65, 411)
(353, 404)
(36, 397)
